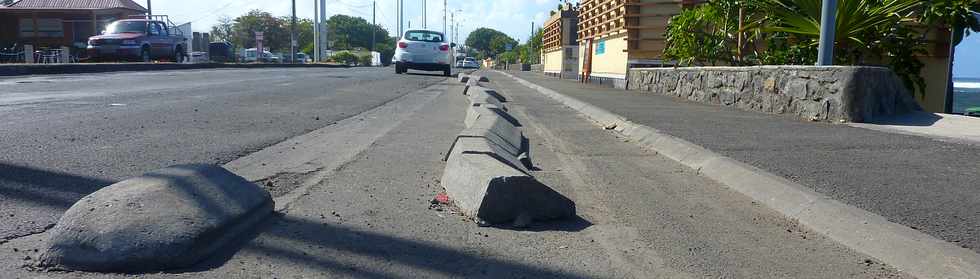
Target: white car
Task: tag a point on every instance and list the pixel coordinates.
(470, 63)
(424, 50)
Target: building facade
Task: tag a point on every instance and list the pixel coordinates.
(60, 23)
(559, 50)
(616, 35)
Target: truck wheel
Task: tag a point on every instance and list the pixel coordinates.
(447, 72)
(145, 55)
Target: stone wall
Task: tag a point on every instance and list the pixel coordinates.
(837, 93)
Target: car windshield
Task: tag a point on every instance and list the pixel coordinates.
(126, 27)
(424, 36)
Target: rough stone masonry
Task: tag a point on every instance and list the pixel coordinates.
(837, 93)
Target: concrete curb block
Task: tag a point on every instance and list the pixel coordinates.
(166, 219)
(463, 78)
(51, 69)
(491, 187)
(481, 96)
(487, 169)
(904, 248)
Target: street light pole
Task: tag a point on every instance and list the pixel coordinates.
(316, 31)
(400, 19)
(324, 44)
(374, 26)
(149, 8)
(424, 25)
(445, 11)
(828, 24)
(292, 36)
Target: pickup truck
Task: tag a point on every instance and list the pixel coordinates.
(142, 40)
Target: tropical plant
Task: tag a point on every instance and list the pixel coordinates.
(956, 14)
(864, 30)
(709, 33)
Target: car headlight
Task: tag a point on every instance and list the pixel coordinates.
(129, 42)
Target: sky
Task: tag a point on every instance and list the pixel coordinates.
(966, 63)
(512, 17)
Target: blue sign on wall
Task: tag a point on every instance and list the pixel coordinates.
(600, 48)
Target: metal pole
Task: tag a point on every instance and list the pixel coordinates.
(400, 19)
(828, 24)
(374, 26)
(292, 36)
(445, 11)
(149, 9)
(324, 43)
(316, 31)
(424, 19)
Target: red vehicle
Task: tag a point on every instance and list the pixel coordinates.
(140, 40)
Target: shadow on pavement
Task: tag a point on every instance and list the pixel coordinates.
(47, 187)
(922, 119)
(574, 224)
(426, 74)
(385, 249)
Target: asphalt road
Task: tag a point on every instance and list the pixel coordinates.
(924, 183)
(64, 136)
(367, 211)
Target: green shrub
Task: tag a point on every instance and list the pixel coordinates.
(365, 59)
(345, 57)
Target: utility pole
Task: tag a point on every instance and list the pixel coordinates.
(292, 36)
(149, 8)
(424, 19)
(374, 26)
(828, 24)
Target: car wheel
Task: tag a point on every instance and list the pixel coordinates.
(145, 55)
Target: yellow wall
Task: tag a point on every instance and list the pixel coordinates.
(934, 72)
(611, 63)
(553, 61)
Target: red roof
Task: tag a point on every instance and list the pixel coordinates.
(75, 5)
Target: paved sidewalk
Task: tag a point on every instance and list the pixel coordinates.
(920, 182)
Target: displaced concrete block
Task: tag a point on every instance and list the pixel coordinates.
(482, 78)
(493, 187)
(166, 219)
(464, 78)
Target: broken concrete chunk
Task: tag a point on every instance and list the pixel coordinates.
(166, 219)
